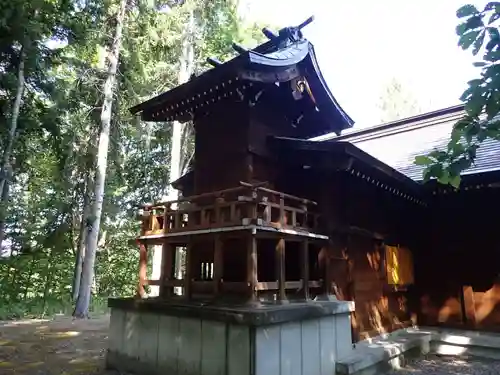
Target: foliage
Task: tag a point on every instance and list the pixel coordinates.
(478, 32)
(55, 146)
(397, 102)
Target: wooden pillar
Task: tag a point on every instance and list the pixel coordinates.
(252, 266)
(469, 306)
(280, 269)
(218, 264)
(305, 268)
(143, 269)
(167, 269)
(188, 277)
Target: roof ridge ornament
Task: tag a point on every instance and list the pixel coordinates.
(287, 35)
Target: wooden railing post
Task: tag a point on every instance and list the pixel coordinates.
(143, 268)
(167, 269)
(252, 266)
(280, 269)
(218, 264)
(305, 268)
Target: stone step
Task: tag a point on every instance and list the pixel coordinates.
(379, 354)
(454, 342)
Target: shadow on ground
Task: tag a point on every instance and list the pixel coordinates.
(61, 346)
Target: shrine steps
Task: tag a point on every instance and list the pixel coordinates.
(391, 351)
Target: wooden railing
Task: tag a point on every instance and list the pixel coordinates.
(242, 205)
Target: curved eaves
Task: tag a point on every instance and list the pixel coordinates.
(347, 121)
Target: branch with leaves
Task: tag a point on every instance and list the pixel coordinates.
(479, 33)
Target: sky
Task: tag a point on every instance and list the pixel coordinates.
(362, 44)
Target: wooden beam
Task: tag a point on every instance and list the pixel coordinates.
(143, 269)
(305, 268)
(218, 264)
(469, 305)
(273, 285)
(280, 269)
(252, 266)
(167, 269)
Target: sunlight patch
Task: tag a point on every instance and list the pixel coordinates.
(62, 334)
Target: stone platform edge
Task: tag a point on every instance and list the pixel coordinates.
(250, 315)
(390, 351)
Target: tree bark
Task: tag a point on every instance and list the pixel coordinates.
(83, 301)
(82, 241)
(4, 169)
(186, 62)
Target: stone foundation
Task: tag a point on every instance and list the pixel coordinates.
(153, 337)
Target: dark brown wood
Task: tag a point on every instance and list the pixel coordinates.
(167, 269)
(305, 268)
(143, 269)
(252, 266)
(280, 269)
(218, 264)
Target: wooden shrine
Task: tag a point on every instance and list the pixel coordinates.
(280, 233)
(239, 221)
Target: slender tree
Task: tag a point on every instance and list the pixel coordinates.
(83, 301)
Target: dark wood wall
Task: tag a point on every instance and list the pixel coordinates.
(458, 269)
(221, 149)
(360, 218)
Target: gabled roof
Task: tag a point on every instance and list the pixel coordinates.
(398, 143)
(286, 61)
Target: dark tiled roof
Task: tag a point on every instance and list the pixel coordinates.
(397, 144)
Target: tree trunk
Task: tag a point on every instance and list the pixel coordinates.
(186, 62)
(4, 169)
(83, 301)
(82, 240)
(3, 205)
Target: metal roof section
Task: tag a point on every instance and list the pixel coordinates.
(287, 60)
(398, 143)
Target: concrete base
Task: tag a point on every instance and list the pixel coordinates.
(298, 338)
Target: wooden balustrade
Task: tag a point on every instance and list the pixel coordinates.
(242, 205)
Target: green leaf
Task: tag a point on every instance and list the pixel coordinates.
(468, 39)
(466, 10)
(492, 5)
(493, 17)
(492, 56)
(423, 160)
(455, 181)
(444, 177)
(475, 104)
(492, 107)
(456, 148)
(493, 33)
(461, 29)
(435, 170)
(474, 22)
(478, 43)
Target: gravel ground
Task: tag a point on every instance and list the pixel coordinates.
(436, 365)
